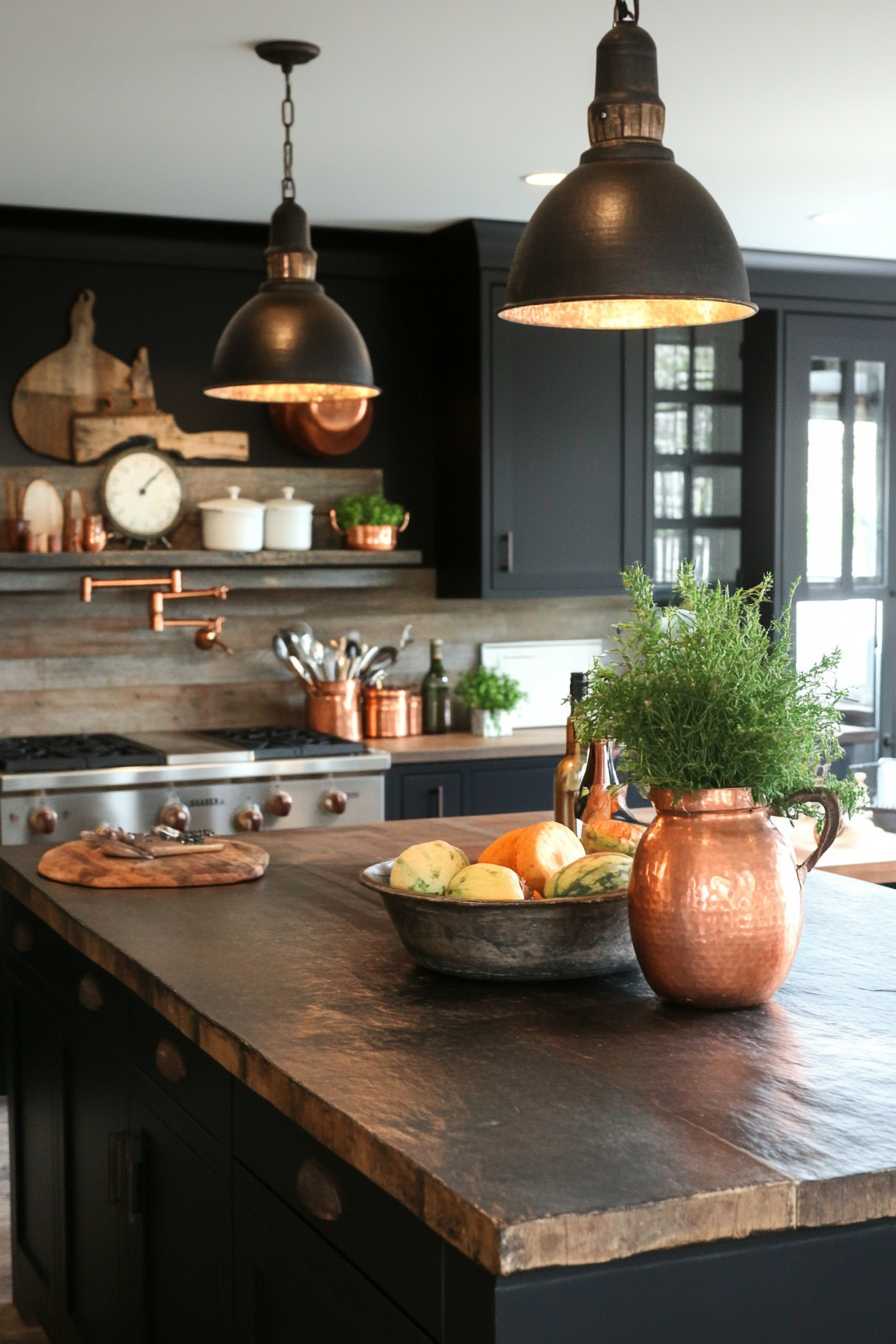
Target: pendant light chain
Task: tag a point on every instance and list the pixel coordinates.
(287, 116)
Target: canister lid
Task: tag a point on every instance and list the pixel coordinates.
(285, 500)
(233, 504)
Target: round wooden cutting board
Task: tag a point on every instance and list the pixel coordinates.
(83, 865)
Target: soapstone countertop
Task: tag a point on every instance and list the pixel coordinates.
(529, 1125)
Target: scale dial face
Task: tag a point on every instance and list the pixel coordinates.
(142, 494)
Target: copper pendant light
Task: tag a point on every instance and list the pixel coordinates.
(290, 343)
(628, 239)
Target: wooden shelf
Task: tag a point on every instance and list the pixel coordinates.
(20, 572)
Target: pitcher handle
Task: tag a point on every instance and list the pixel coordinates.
(334, 524)
(407, 519)
(831, 804)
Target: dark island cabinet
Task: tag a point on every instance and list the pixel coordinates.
(470, 788)
(540, 461)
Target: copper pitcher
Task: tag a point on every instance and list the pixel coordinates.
(716, 896)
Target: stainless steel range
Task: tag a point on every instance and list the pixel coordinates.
(252, 779)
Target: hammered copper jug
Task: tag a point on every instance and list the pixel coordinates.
(716, 896)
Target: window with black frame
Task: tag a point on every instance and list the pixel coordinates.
(695, 414)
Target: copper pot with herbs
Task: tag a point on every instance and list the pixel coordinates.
(720, 730)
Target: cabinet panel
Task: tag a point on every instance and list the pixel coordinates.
(511, 789)
(434, 795)
(557, 458)
(290, 1285)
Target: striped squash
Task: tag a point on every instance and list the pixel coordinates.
(594, 875)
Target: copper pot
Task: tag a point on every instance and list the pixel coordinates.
(386, 711)
(716, 897)
(370, 536)
(335, 707)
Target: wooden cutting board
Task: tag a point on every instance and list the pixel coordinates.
(83, 865)
(94, 435)
(78, 379)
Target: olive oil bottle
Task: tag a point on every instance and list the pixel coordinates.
(436, 693)
(568, 775)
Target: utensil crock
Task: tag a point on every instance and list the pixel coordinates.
(716, 896)
(335, 707)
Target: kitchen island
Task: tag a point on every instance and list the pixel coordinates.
(243, 1114)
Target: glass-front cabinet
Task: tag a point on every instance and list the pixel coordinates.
(837, 513)
(694, 432)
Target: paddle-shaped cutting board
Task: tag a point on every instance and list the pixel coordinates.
(78, 379)
(84, 865)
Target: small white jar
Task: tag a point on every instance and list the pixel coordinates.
(287, 522)
(232, 524)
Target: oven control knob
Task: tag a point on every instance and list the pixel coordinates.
(280, 803)
(334, 802)
(176, 816)
(44, 820)
(249, 818)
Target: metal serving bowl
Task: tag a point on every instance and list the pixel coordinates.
(568, 938)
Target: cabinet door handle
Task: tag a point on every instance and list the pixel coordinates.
(133, 1177)
(114, 1161)
(318, 1191)
(439, 792)
(509, 566)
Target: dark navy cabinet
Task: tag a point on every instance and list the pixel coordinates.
(470, 788)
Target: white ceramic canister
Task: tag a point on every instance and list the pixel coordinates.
(287, 522)
(232, 524)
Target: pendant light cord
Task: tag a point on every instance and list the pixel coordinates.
(288, 116)
(622, 13)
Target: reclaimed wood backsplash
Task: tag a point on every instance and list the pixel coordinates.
(67, 667)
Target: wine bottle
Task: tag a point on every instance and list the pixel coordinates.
(436, 693)
(568, 775)
(598, 779)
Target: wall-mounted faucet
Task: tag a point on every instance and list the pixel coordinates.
(208, 628)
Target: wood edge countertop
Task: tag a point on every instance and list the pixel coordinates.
(712, 1185)
(435, 747)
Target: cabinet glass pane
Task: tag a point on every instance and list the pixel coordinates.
(716, 554)
(670, 428)
(715, 492)
(718, 366)
(717, 429)
(824, 484)
(672, 360)
(668, 494)
(868, 471)
(852, 626)
(668, 552)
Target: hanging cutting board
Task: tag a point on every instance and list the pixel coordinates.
(94, 435)
(78, 379)
(84, 865)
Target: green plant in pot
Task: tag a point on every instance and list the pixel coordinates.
(369, 522)
(491, 698)
(720, 729)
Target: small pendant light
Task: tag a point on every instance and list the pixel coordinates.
(290, 343)
(628, 239)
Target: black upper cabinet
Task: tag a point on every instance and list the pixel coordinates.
(540, 460)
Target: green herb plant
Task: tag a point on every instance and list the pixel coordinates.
(357, 510)
(487, 689)
(705, 696)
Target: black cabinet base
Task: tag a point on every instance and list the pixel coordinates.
(470, 788)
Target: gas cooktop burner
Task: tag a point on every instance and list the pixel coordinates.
(270, 744)
(75, 751)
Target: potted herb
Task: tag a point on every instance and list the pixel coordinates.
(719, 728)
(491, 697)
(369, 522)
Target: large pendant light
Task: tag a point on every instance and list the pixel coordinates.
(290, 343)
(628, 239)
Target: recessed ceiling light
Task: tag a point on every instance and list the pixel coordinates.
(833, 217)
(544, 179)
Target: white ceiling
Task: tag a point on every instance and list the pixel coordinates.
(419, 112)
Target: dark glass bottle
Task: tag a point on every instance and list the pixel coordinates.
(436, 693)
(597, 781)
(568, 775)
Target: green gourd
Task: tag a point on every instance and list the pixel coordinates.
(594, 875)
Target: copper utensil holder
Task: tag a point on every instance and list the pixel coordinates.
(415, 714)
(335, 707)
(386, 712)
